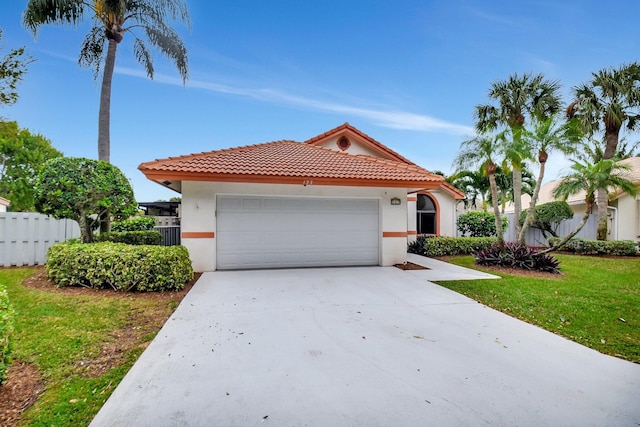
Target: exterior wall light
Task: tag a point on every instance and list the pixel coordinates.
(395, 201)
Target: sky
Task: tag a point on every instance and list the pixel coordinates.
(407, 73)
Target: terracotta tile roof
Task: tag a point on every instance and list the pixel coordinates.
(289, 162)
(346, 127)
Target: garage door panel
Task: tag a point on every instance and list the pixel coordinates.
(271, 232)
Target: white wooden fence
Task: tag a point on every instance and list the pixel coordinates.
(26, 237)
(535, 238)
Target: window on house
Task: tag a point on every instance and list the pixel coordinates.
(426, 215)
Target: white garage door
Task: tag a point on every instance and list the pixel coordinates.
(276, 232)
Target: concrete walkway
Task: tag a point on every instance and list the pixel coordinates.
(442, 271)
(367, 346)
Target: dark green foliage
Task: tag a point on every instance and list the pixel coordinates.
(12, 67)
(547, 216)
(132, 237)
(22, 154)
(599, 247)
(516, 255)
(6, 328)
(138, 223)
(417, 246)
(445, 246)
(479, 224)
(119, 266)
(82, 189)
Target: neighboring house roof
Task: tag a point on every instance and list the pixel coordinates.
(289, 162)
(4, 202)
(346, 129)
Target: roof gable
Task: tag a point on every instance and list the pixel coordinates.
(357, 142)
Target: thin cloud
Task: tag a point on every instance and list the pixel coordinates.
(389, 118)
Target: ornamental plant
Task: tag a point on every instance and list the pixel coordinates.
(83, 190)
(6, 328)
(479, 224)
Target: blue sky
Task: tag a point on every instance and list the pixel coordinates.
(408, 73)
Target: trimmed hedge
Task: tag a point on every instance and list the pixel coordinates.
(119, 266)
(6, 328)
(598, 247)
(445, 246)
(479, 224)
(132, 237)
(140, 223)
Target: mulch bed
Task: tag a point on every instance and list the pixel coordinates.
(410, 266)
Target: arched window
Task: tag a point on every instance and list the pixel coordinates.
(426, 215)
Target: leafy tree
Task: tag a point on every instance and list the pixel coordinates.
(112, 20)
(22, 154)
(478, 224)
(608, 103)
(589, 178)
(547, 217)
(548, 135)
(474, 184)
(81, 189)
(518, 98)
(12, 67)
(480, 151)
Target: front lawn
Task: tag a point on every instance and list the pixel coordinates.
(596, 302)
(81, 342)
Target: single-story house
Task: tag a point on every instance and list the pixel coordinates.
(340, 198)
(4, 204)
(623, 211)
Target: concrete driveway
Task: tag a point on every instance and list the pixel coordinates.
(369, 346)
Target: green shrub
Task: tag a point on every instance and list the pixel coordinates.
(6, 328)
(598, 247)
(132, 237)
(417, 246)
(479, 224)
(548, 216)
(517, 255)
(139, 223)
(444, 246)
(119, 266)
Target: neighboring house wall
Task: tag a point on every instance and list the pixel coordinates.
(199, 210)
(629, 225)
(4, 204)
(26, 237)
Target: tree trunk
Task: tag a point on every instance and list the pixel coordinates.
(86, 232)
(496, 210)
(517, 198)
(611, 139)
(104, 120)
(603, 203)
(532, 206)
(568, 237)
(104, 116)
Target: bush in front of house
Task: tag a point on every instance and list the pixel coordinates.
(598, 247)
(6, 328)
(417, 246)
(446, 246)
(119, 266)
(479, 224)
(517, 255)
(139, 223)
(151, 237)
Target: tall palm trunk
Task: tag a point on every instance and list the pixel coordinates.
(542, 158)
(603, 203)
(496, 209)
(611, 139)
(517, 198)
(104, 120)
(104, 116)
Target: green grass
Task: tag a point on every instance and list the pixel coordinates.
(57, 332)
(595, 303)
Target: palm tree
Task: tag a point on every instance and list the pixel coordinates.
(517, 97)
(609, 102)
(480, 151)
(548, 135)
(590, 177)
(474, 184)
(112, 20)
